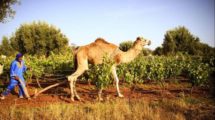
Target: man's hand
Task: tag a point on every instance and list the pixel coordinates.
(16, 78)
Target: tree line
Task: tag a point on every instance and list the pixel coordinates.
(40, 38)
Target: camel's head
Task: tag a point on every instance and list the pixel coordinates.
(142, 41)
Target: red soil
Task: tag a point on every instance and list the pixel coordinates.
(88, 93)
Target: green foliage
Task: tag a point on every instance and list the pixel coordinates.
(132, 72)
(41, 65)
(142, 68)
(101, 74)
(160, 68)
(157, 69)
(173, 66)
(180, 40)
(198, 72)
(169, 45)
(183, 39)
(54, 64)
(5, 47)
(146, 51)
(6, 9)
(158, 51)
(125, 46)
(39, 38)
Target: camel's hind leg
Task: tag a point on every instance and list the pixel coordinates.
(116, 80)
(75, 92)
(82, 66)
(72, 79)
(72, 90)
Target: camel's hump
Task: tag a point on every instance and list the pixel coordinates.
(101, 40)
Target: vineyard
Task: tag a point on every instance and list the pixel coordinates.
(158, 69)
(145, 83)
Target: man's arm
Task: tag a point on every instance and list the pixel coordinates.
(12, 70)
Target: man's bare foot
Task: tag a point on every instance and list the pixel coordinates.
(21, 97)
(2, 97)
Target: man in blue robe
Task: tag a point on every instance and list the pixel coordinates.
(17, 68)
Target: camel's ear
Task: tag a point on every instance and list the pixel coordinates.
(138, 38)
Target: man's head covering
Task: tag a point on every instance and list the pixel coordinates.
(19, 55)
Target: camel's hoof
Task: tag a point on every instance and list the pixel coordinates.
(78, 98)
(28, 98)
(72, 99)
(100, 99)
(120, 95)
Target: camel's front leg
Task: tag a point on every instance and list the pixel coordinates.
(100, 94)
(117, 81)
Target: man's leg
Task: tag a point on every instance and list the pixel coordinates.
(21, 90)
(10, 87)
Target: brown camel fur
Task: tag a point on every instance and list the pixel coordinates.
(95, 52)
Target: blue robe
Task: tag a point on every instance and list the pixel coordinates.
(16, 69)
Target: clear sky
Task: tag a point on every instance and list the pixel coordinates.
(82, 21)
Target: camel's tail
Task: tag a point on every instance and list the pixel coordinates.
(75, 57)
(75, 62)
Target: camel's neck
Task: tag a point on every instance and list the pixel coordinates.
(131, 54)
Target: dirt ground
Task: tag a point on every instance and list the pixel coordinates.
(202, 104)
(88, 93)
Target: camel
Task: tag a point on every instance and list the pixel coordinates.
(94, 52)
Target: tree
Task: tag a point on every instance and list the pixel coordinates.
(5, 47)
(184, 40)
(146, 51)
(180, 40)
(5, 9)
(39, 38)
(168, 45)
(125, 46)
(158, 51)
